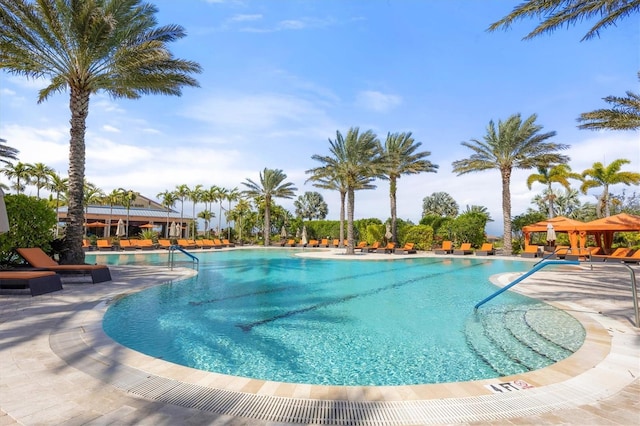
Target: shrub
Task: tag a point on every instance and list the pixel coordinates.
(420, 235)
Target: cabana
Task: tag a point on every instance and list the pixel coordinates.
(603, 229)
(560, 224)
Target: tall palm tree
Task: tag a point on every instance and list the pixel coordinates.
(271, 186)
(20, 173)
(556, 14)
(560, 173)
(59, 186)
(7, 152)
(182, 192)
(127, 197)
(220, 197)
(321, 179)
(401, 158)
(195, 196)
(625, 114)
(514, 144)
(604, 176)
(206, 215)
(167, 199)
(40, 174)
(440, 204)
(233, 195)
(92, 195)
(240, 210)
(114, 198)
(86, 47)
(357, 160)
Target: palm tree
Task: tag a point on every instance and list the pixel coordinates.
(334, 183)
(182, 192)
(168, 200)
(91, 195)
(514, 144)
(440, 204)
(58, 185)
(195, 196)
(401, 158)
(605, 176)
(114, 198)
(7, 152)
(625, 114)
(311, 205)
(127, 196)
(206, 215)
(232, 195)
(40, 174)
(556, 14)
(560, 173)
(357, 160)
(271, 186)
(220, 197)
(19, 172)
(86, 47)
(240, 210)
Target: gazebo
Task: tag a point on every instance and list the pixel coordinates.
(604, 228)
(560, 224)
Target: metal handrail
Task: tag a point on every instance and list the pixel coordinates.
(549, 256)
(533, 270)
(634, 290)
(174, 248)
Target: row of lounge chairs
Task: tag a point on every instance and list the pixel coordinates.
(147, 244)
(593, 254)
(45, 275)
(487, 249)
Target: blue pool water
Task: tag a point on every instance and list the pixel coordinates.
(268, 314)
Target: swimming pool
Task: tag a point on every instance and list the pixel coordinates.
(268, 314)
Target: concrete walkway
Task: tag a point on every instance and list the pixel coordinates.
(57, 367)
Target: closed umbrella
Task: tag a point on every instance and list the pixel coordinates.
(388, 235)
(120, 232)
(178, 230)
(304, 236)
(4, 219)
(551, 235)
(173, 230)
(283, 233)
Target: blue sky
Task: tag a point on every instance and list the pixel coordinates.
(281, 77)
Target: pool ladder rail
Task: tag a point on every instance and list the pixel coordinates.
(172, 253)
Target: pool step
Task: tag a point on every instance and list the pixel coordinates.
(507, 337)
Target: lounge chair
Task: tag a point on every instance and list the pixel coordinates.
(186, 244)
(217, 243)
(164, 243)
(146, 244)
(373, 247)
(324, 242)
(407, 249)
(291, 243)
(38, 282)
(486, 250)
(634, 258)
(389, 248)
(39, 259)
(313, 243)
(203, 244)
(104, 245)
(336, 243)
(362, 246)
(619, 253)
(227, 243)
(447, 248)
(529, 251)
(127, 245)
(582, 254)
(86, 245)
(465, 248)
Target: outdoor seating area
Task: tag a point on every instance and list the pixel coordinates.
(37, 282)
(40, 260)
(446, 248)
(463, 250)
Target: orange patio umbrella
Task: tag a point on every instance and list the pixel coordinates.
(148, 225)
(95, 225)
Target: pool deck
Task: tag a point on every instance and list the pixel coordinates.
(58, 367)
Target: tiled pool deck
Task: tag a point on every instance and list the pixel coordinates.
(58, 367)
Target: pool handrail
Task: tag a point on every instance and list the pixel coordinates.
(533, 270)
(172, 250)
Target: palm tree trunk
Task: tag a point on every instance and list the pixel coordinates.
(506, 211)
(79, 105)
(350, 208)
(393, 199)
(550, 195)
(267, 221)
(343, 195)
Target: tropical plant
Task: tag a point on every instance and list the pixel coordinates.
(127, 197)
(114, 46)
(20, 173)
(420, 235)
(59, 186)
(231, 196)
(321, 179)
(240, 211)
(481, 210)
(195, 196)
(221, 195)
(439, 204)
(271, 185)
(560, 173)
(624, 114)
(311, 205)
(605, 176)
(7, 152)
(91, 195)
(469, 228)
(401, 157)
(356, 161)
(182, 192)
(567, 202)
(114, 198)
(39, 175)
(513, 144)
(206, 215)
(168, 200)
(556, 14)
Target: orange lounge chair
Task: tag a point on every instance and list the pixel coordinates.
(227, 243)
(582, 254)
(530, 251)
(186, 244)
(336, 243)
(146, 244)
(389, 248)
(104, 245)
(86, 245)
(127, 245)
(486, 250)
(203, 244)
(618, 254)
(313, 243)
(291, 243)
(373, 247)
(447, 248)
(164, 243)
(324, 242)
(217, 243)
(634, 258)
(407, 249)
(38, 282)
(362, 246)
(39, 259)
(465, 248)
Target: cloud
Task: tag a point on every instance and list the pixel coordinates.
(111, 129)
(377, 101)
(245, 18)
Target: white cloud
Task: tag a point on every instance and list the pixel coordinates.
(111, 129)
(377, 101)
(245, 18)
